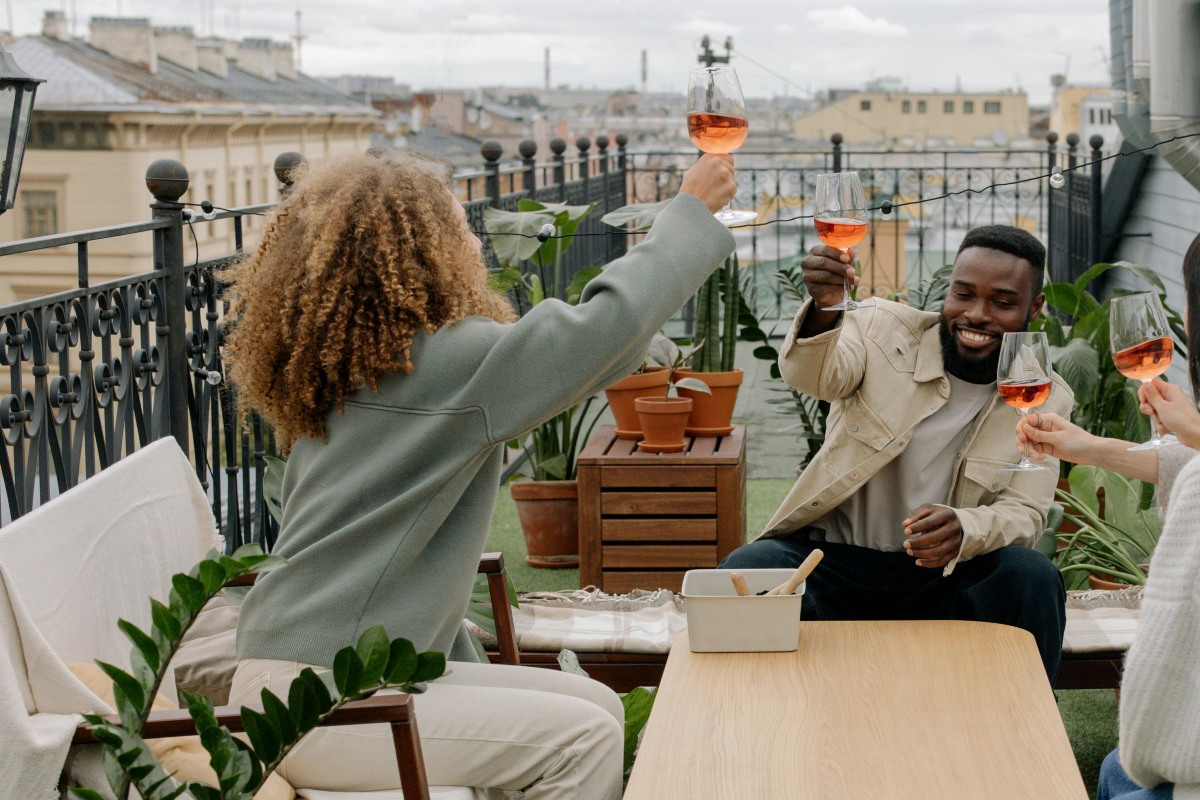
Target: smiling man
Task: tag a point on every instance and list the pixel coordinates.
(907, 497)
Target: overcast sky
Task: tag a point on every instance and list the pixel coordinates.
(792, 46)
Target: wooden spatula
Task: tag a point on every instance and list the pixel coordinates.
(802, 572)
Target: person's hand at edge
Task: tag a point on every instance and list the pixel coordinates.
(710, 180)
(1173, 411)
(933, 535)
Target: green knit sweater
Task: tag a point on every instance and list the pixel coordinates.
(385, 521)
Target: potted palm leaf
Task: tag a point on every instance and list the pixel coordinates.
(547, 503)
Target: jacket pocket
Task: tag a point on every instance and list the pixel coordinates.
(983, 481)
(864, 425)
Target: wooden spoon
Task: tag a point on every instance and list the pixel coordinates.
(739, 584)
(802, 572)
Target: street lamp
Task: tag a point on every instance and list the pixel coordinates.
(16, 106)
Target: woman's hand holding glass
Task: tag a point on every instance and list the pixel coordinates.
(710, 180)
(1172, 410)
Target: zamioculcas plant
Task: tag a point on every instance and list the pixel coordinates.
(374, 663)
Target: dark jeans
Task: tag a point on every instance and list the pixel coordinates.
(1012, 586)
(1115, 784)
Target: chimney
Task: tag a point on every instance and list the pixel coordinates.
(254, 56)
(210, 57)
(54, 26)
(177, 44)
(284, 60)
(127, 38)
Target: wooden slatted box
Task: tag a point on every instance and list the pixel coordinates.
(645, 519)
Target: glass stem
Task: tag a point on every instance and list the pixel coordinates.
(847, 286)
(1153, 424)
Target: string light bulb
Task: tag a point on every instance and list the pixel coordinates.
(1057, 179)
(545, 233)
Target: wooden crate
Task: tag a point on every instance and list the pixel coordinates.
(645, 519)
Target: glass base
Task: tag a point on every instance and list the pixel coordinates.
(1153, 444)
(727, 216)
(1023, 466)
(850, 305)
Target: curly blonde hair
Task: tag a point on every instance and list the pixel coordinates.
(364, 253)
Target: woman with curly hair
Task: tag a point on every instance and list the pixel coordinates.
(364, 331)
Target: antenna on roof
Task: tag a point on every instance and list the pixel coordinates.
(298, 37)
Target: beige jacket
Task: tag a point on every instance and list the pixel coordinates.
(881, 370)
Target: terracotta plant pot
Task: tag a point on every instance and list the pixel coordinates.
(549, 514)
(712, 413)
(1101, 582)
(651, 383)
(663, 420)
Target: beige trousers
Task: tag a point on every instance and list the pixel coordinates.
(551, 734)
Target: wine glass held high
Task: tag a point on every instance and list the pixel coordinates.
(717, 123)
(1023, 379)
(1141, 347)
(841, 222)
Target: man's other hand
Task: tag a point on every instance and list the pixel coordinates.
(933, 535)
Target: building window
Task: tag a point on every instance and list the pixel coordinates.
(948, 106)
(864, 105)
(906, 106)
(40, 210)
(991, 107)
(968, 106)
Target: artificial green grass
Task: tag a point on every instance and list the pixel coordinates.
(1090, 716)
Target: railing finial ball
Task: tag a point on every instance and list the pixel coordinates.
(167, 180)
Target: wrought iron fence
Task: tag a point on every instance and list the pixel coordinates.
(98, 371)
(936, 197)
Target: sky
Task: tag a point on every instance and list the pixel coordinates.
(793, 47)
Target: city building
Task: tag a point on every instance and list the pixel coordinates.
(133, 93)
(891, 118)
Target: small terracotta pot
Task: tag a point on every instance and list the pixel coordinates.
(1100, 582)
(549, 514)
(651, 383)
(712, 413)
(663, 420)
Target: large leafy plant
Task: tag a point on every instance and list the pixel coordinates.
(534, 271)
(1106, 402)
(374, 663)
(1116, 537)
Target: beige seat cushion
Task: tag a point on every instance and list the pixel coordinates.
(207, 658)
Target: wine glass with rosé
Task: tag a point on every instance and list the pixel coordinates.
(1023, 379)
(716, 117)
(841, 222)
(1141, 346)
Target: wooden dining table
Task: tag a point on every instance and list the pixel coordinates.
(873, 710)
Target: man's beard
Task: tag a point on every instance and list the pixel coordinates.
(963, 367)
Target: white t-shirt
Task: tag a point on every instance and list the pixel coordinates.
(921, 474)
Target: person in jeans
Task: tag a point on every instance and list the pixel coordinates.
(907, 496)
(1158, 755)
(363, 329)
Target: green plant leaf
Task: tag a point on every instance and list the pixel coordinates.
(211, 575)
(766, 353)
(166, 622)
(263, 735)
(273, 487)
(128, 693)
(191, 592)
(142, 641)
(278, 715)
(348, 671)
(85, 794)
(1079, 365)
(637, 703)
(402, 662)
(555, 467)
(373, 649)
(1143, 272)
(568, 662)
(505, 279)
(694, 385)
(579, 282)
(430, 665)
(641, 215)
(1070, 299)
(513, 234)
